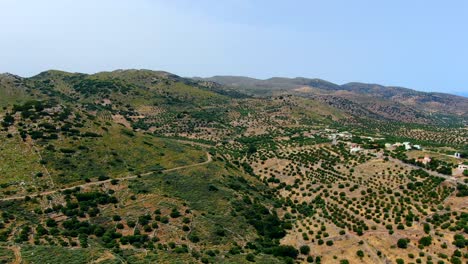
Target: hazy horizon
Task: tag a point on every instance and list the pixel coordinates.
(418, 45)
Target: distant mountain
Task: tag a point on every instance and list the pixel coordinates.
(463, 94)
(362, 93)
(272, 84)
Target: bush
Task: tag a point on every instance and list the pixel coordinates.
(51, 223)
(194, 238)
(131, 223)
(305, 249)
(455, 260)
(285, 251)
(402, 243)
(250, 257)
(103, 178)
(459, 241)
(175, 213)
(360, 253)
(425, 241)
(212, 188)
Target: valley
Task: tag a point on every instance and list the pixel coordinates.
(139, 166)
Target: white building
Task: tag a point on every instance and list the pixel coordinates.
(407, 145)
(355, 149)
(425, 160)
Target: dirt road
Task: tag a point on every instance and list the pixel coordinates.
(208, 160)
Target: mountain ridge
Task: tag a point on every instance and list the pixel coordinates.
(429, 102)
(237, 79)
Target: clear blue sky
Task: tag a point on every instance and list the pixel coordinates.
(417, 44)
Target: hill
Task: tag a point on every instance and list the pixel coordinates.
(373, 94)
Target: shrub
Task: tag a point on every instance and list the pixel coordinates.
(250, 257)
(51, 223)
(459, 241)
(102, 178)
(285, 251)
(425, 241)
(402, 243)
(175, 213)
(305, 249)
(360, 253)
(131, 223)
(194, 238)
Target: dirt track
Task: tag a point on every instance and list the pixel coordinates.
(209, 159)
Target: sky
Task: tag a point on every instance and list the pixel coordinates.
(417, 44)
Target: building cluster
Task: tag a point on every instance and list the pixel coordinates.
(407, 145)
